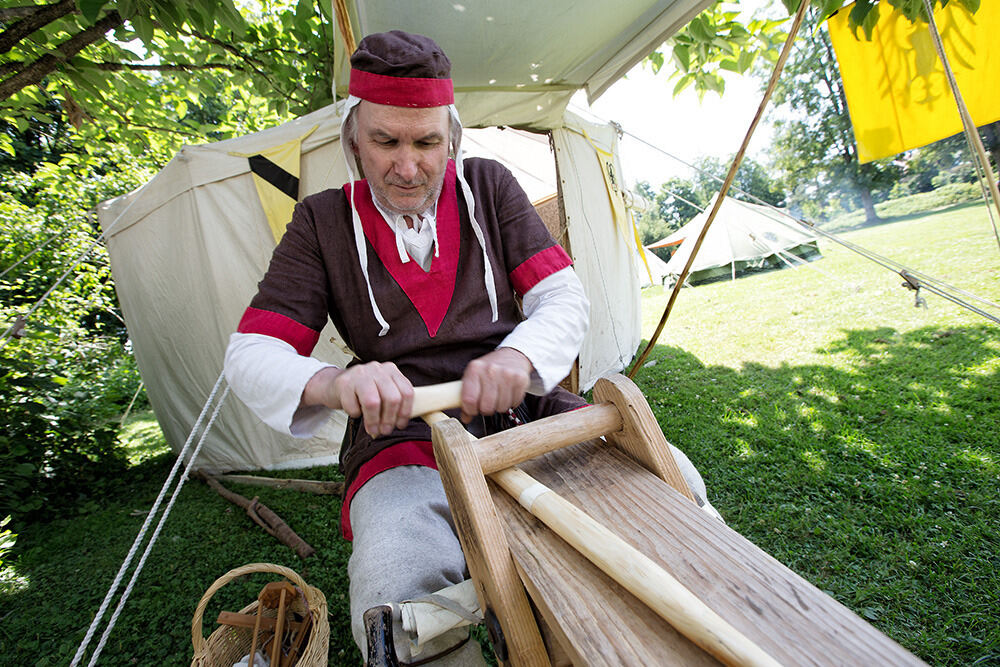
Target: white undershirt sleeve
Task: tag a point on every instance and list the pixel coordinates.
(558, 314)
(268, 375)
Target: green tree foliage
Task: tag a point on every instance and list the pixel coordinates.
(153, 73)
(66, 380)
(717, 41)
(86, 85)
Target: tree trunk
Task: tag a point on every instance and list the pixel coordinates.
(866, 201)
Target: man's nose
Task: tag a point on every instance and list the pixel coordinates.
(405, 164)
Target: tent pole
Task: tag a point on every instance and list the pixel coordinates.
(785, 52)
(971, 132)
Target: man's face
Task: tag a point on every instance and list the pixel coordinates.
(404, 153)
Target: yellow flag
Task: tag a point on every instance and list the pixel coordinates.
(276, 176)
(896, 88)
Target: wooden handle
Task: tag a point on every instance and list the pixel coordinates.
(436, 397)
(636, 572)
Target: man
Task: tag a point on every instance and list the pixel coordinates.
(419, 266)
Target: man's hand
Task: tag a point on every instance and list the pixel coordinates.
(378, 392)
(494, 383)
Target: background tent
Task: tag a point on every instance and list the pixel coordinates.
(652, 272)
(743, 236)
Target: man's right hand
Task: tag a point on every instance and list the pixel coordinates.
(376, 391)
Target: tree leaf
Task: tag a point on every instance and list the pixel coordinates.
(90, 9)
(684, 82)
(730, 65)
(681, 56)
(699, 30)
(830, 7)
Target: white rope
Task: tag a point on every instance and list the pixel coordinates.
(145, 526)
(36, 249)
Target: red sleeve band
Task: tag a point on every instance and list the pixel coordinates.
(537, 267)
(299, 336)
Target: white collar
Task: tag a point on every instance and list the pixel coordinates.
(416, 242)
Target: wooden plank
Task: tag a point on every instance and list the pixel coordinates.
(785, 615)
(487, 554)
(641, 436)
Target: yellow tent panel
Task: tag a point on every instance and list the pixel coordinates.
(897, 93)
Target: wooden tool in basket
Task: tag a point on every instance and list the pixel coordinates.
(264, 623)
(643, 576)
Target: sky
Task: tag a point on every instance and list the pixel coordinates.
(643, 104)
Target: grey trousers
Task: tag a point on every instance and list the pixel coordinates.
(405, 547)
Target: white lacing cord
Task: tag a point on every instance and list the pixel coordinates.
(145, 526)
(470, 202)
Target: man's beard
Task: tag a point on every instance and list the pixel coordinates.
(380, 193)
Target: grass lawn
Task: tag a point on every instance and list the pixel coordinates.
(852, 436)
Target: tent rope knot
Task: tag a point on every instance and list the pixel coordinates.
(913, 283)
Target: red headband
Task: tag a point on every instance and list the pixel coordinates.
(398, 91)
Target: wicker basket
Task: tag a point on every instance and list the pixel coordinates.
(227, 645)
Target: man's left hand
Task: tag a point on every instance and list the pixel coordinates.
(495, 382)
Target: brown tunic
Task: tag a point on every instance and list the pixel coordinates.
(440, 319)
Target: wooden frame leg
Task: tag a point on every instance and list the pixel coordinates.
(485, 545)
(640, 437)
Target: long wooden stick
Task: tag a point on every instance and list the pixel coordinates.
(971, 132)
(636, 572)
(435, 397)
(306, 485)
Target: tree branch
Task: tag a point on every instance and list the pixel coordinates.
(11, 66)
(167, 67)
(45, 65)
(128, 122)
(36, 18)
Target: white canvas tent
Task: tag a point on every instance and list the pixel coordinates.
(743, 236)
(188, 248)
